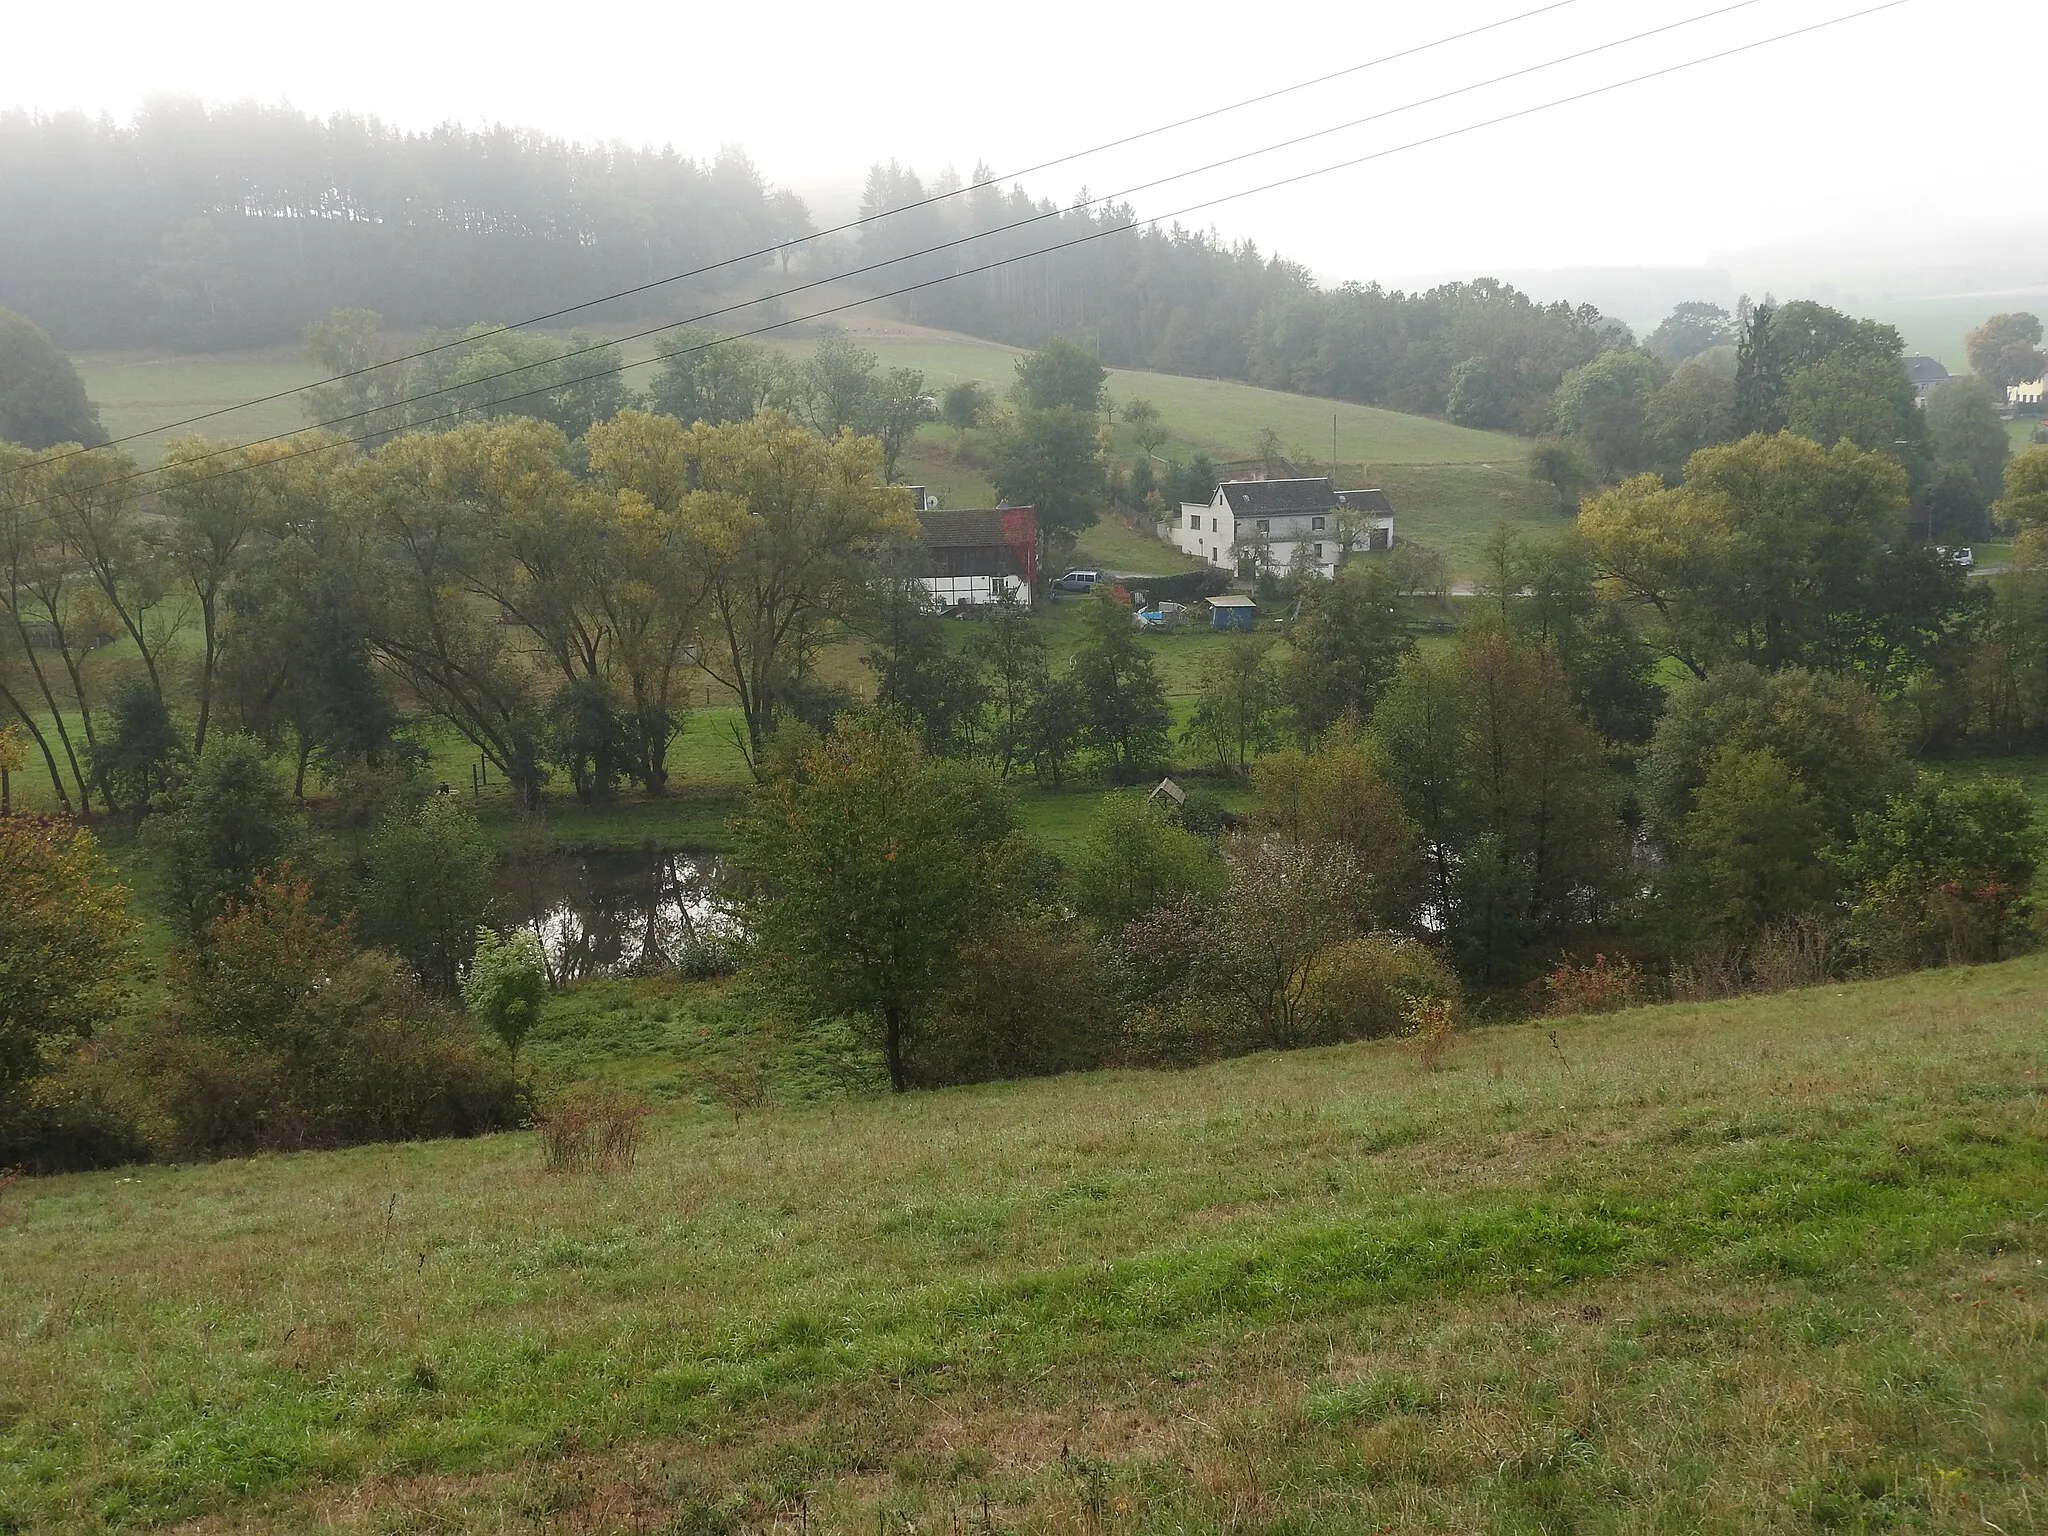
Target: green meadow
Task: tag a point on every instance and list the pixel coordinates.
(1772, 1265)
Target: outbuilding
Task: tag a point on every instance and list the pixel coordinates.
(1232, 611)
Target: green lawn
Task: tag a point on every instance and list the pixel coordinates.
(1765, 1266)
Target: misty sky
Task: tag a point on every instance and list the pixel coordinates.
(1886, 131)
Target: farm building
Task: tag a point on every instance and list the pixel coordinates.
(1279, 525)
(978, 557)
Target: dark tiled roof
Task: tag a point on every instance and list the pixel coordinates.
(1268, 498)
(1275, 468)
(962, 530)
(1925, 370)
(1367, 501)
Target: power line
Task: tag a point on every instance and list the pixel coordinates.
(1094, 235)
(853, 224)
(947, 245)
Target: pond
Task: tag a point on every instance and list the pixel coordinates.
(618, 912)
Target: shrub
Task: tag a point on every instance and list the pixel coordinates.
(73, 1118)
(1030, 1000)
(1431, 1024)
(1797, 952)
(430, 877)
(63, 930)
(506, 985)
(594, 1128)
(1369, 987)
(1203, 983)
(1134, 860)
(1941, 875)
(233, 821)
(707, 953)
(282, 1034)
(1602, 987)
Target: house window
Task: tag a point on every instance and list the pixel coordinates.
(1265, 526)
(1318, 549)
(1316, 526)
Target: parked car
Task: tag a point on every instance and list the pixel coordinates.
(1079, 581)
(1962, 558)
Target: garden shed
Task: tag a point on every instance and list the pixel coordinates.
(1232, 611)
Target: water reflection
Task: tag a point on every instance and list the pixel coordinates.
(618, 912)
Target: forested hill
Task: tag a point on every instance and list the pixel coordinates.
(203, 229)
(213, 229)
(1174, 300)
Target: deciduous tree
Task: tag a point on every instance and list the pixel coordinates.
(1690, 329)
(506, 986)
(1605, 407)
(704, 379)
(1345, 646)
(1122, 701)
(428, 878)
(64, 930)
(2006, 350)
(1238, 709)
(1774, 551)
(231, 822)
(874, 868)
(1749, 849)
(781, 525)
(1970, 449)
(42, 400)
(1134, 860)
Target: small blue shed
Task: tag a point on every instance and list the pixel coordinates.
(1231, 611)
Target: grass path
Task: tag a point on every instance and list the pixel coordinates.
(1760, 1266)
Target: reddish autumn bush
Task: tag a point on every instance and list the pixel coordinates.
(1605, 986)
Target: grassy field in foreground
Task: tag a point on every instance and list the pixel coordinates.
(1772, 1265)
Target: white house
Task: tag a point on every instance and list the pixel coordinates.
(2025, 394)
(1278, 524)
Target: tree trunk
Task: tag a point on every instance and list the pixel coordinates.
(892, 1046)
(43, 745)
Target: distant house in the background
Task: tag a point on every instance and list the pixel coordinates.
(1282, 525)
(2025, 394)
(1924, 373)
(979, 557)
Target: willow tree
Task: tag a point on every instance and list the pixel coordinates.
(781, 526)
(645, 581)
(426, 505)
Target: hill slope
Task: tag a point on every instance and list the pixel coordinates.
(1743, 1267)
(1450, 484)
